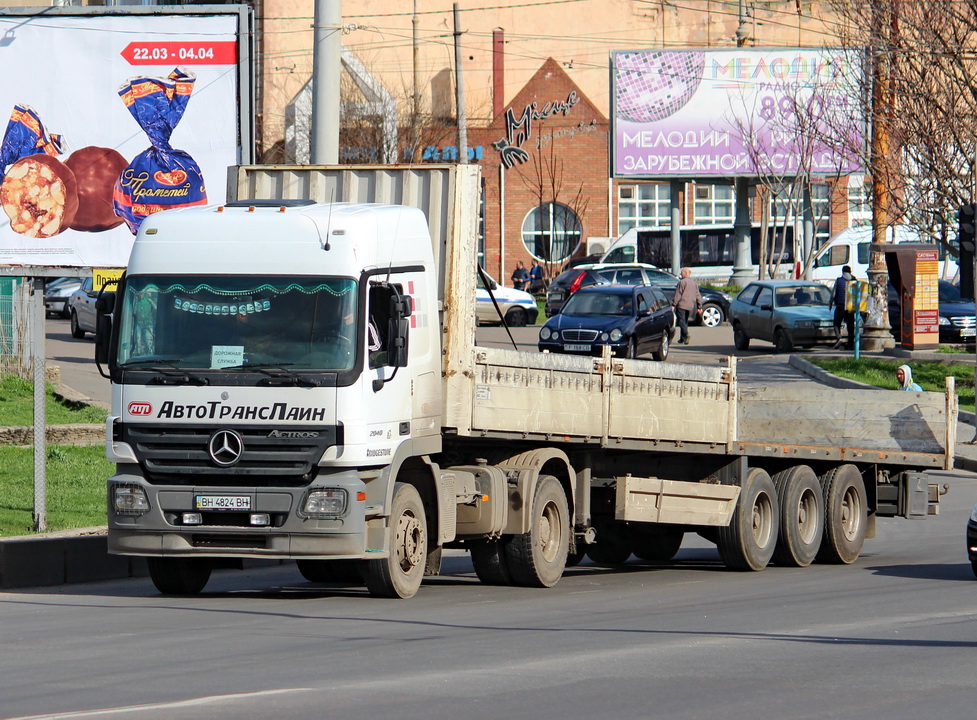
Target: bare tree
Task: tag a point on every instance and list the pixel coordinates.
(931, 118)
(543, 175)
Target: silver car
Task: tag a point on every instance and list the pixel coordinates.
(81, 309)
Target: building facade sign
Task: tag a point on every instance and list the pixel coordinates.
(520, 129)
(726, 113)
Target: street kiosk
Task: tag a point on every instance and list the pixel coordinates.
(914, 273)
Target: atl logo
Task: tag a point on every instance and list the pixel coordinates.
(140, 408)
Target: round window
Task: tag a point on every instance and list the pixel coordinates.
(551, 232)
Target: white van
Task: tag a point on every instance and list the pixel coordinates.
(851, 247)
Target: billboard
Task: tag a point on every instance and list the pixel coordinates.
(107, 116)
(737, 112)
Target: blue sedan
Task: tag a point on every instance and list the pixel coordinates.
(632, 320)
(784, 312)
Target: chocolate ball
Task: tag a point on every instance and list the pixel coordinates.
(96, 170)
(39, 194)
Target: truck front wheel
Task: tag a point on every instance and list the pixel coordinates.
(399, 574)
(748, 542)
(537, 558)
(845, 515)
(179, 576)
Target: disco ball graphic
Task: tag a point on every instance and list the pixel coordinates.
(653, 85)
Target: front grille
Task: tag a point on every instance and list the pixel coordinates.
(964, 321)
(587, 336)
(178, 455)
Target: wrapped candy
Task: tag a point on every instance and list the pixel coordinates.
(39, 193)
(161, 177)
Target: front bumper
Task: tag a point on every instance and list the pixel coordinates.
(161, 532)
(619, 348)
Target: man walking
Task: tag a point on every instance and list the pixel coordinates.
(684, 301)
(838, 299)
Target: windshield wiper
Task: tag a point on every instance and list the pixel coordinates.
(178, 377)
(284, 376)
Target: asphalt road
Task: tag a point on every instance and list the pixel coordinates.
(890, 636)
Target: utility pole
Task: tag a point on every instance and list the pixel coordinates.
(460, 92)
(326, 66)
(877, 335)
(743, 223)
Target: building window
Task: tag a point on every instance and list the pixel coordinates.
(714, 204)
(551, 232)
(644, 205)
(859, 201)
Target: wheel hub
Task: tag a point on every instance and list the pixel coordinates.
(410, 537)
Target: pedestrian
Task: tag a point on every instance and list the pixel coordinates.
(520, 276)
(686, 299)
(842, 314)
(904, 375)
(537, 277)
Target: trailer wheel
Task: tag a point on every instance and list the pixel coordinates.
(845, 515)
(611, 546)
(801, 516)
(748, 542)
(656, 546)
(537, 558)
(491, 566)
(179, 576)
(574, 558)
(332, 571)
(399, 574)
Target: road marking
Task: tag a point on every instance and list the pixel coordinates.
(158, 706)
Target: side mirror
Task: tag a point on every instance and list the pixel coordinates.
(493, 285)
(106, 303)
(645, 312)
(401, 308)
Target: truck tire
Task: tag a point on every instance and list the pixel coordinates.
(748, 542)
(349, 572)
(537, 558)
(399, 574)
(491, 566)
(657, 545)
(801, 516)
(611, 546)
(179, 576)
(845, 515)
(574, 558)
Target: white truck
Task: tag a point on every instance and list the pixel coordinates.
(299, 379)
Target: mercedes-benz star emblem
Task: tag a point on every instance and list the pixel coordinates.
(225, 447)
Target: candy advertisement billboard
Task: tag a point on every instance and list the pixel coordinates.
(738, 112)
(106, 118)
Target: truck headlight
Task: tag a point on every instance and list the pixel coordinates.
(325, 503)
(129, 500)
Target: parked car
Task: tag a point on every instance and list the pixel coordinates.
(715, 304)
(81, 309)
(518, 308)
(631, 319)
(785, 312)
(958, 323)
(56, 294)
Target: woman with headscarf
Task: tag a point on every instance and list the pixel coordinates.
(904, 375)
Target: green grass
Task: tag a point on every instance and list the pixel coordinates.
(76, 478)
(882, 373)
(17, 406)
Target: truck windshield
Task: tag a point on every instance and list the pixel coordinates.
(222, 322)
